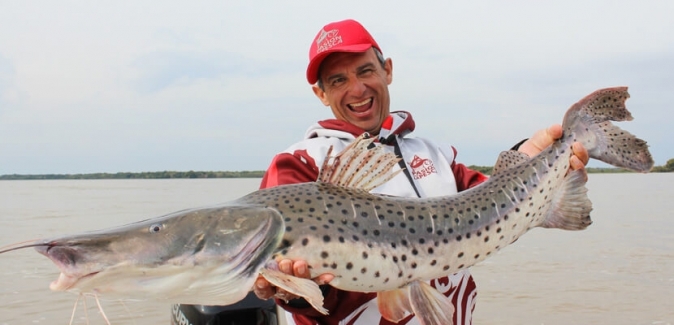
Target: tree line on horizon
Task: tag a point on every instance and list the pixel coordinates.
(668, 167)
(142, 175)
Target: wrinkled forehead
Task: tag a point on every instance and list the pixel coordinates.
(343, 62)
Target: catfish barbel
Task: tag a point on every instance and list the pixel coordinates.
(369, 242)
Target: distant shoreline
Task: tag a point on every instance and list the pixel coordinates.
(210, 174)
(141, 175)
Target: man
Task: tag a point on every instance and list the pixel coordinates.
(349, 74)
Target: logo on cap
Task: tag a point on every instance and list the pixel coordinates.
(327, 40)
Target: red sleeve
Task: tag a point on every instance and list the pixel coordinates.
(466, 177)
(294, 168)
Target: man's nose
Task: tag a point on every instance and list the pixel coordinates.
(357, 87)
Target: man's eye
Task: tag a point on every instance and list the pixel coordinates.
(337, 81)
(365, 72)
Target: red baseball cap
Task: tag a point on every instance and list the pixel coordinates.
(341, 36)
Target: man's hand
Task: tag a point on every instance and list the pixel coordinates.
(543, 138)
(265, 290)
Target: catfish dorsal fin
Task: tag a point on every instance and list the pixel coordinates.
(508, 159)
(360, 165)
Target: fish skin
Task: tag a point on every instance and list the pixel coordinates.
(370, 242)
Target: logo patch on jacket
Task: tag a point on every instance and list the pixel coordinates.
(422, 167)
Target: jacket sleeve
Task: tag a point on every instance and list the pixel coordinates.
(287, 168)
(466, 177)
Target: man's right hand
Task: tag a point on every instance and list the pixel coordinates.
(265, 290)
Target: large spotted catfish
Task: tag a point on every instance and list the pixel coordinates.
(371, 243)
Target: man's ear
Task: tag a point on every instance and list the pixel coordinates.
(388, 66)
(320, 93)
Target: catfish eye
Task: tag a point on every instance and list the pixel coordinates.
(156, 227)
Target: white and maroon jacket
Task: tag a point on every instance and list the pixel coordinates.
(433, 171)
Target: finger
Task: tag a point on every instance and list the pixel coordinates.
(324, 278)
(540, 140)
(263, 289)
(580, 152)
(576, 164)
(301, 269)
(286, 266)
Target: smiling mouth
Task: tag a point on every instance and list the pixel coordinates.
(361, 107)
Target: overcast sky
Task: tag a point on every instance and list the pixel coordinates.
(110, 86)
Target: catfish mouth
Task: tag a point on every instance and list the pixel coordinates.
(65, 258)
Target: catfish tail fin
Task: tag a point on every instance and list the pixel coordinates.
(589, 122)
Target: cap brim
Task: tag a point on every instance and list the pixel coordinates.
(315, 63)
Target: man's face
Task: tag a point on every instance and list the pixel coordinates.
(356, 88)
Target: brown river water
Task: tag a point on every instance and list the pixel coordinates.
(618, 271)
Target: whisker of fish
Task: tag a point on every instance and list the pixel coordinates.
(72, 315)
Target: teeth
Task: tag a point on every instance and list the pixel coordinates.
(365, 102)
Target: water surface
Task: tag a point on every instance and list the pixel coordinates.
(618, 271)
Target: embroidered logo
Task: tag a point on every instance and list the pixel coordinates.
(327, 40)
(422, 167)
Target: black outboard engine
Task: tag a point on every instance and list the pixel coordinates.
(249, 311)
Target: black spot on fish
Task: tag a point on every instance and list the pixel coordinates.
(324, 254)
(365, 255)
(305, 241)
